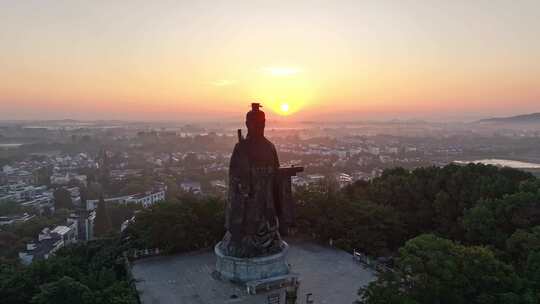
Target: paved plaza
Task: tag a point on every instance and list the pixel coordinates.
(329, 274)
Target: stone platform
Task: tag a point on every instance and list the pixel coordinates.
(329, 274)
(242, 270)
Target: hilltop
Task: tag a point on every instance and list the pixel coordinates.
(525, 118)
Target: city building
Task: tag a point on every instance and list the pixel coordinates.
(44, 204)
(13, 219)
(92, 204)
(344, 179)
(193, 187)
(47, 244)
(49, 241)
(67, 233)
(64, 179)
(147, 199)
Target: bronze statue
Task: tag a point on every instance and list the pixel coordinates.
(259, 194)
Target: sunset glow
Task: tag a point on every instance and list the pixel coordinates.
(282, 71)
(270, 150)
(189, 60)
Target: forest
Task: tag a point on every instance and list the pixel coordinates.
(91, 273)
(453, 234)
(457, 234)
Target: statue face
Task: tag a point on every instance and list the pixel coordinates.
(256, 127)
(255, 123)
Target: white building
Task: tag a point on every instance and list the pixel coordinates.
(8, 220)
(89, 226)
(344, 179)
(194, 187)
(92, 204)
(63, 179)
(374, 150)
(43, 203)
(315, 178)
(219, 184)
(49, 241)
(392, 150)
(7, 169)
(68, 234)
(126, 223)
(147, 199)
(47, 244)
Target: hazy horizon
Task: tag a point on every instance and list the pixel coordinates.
(307, 60)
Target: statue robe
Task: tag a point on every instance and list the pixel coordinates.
(252, 209)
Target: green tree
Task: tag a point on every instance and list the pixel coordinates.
(521, 243)
(386, 290)
(87, 273)
(532, 271)
(11, 207)
(93, 191)
(66, 290)
(102, 222)
(118, 213)
(193, 223)
(446, 213)
(480, 224)
(134, 187)
(10, 244)
(42, 175)
(363, 225)
(30, 228)
(436, 270)
(62, 199)
(171, 195)
(16, 285)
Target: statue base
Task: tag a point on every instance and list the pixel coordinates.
(242, 270)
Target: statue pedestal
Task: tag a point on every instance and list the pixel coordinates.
(242, 270)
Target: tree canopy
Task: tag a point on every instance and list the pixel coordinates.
(189, 224)
(62, 199)
(86, 273)
(473, 235)
(455, 234)
(102, 222)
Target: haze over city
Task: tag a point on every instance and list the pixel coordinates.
(187, 60)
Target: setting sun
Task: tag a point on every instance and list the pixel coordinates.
(284, 95)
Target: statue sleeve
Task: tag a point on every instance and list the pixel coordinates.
(238, 191)
(275, 157)
(278, 202)
(239, 166)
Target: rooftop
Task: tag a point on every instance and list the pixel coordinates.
(45, 246)
(61, 230)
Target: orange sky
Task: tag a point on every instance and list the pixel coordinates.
(183, 60)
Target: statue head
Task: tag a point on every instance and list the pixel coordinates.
(255, 121)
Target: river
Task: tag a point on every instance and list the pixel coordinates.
(502, 163)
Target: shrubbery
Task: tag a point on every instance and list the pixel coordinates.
(459, 234)
(93, 273)
(190, 224)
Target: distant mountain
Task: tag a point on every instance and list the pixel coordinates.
(526, 118)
